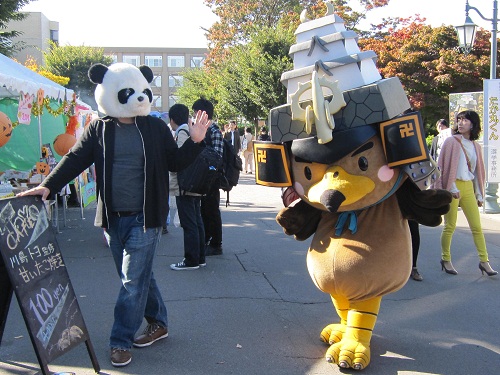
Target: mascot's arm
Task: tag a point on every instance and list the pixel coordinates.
(300, 220)
(423, 206)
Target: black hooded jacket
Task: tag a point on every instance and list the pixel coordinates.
(96, 146)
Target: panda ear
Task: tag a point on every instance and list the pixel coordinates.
(147, 73)
(97, 72)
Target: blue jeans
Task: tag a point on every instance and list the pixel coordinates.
(189, 209)
(133, 250)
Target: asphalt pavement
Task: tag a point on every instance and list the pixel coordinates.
(255, 310)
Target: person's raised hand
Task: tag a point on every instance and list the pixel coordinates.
(198, 129)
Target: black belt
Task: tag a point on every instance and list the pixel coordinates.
(125, 213)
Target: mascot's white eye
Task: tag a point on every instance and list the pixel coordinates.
(308, 173)
(363, 163)
(124, 94)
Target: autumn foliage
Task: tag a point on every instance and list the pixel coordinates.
(428, 62)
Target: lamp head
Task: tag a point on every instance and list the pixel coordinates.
(466, 34)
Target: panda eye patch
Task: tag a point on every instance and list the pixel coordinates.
(149, 94)
(124, 94)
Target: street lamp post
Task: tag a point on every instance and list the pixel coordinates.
(466, 35)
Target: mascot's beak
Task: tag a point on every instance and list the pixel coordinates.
(332, 199)
(339, 188)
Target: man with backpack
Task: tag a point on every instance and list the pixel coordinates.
(210, 211)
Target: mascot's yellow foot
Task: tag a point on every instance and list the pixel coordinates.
(332, 333)
(349, 353)
(355, 332)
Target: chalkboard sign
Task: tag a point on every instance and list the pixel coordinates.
(40, 280)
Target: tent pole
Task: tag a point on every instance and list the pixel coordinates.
(40, 136)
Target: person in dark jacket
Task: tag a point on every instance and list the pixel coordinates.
(132, 153)
(210, 211)
(264, 135)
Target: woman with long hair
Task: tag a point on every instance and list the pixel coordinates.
(463, 175)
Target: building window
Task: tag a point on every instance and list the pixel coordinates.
(156, 81)
(154, 61)
(176, 61)
(172, 99)
(114, 58)
(175, 80)
(132, 59)
(156, 101)
(197, 61)
(54, 36)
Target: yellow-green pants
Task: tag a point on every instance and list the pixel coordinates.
(468, 202)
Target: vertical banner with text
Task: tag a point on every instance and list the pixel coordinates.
(491, 128)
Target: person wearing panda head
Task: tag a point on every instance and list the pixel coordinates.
(132, 153)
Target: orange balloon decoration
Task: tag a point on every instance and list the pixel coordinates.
(64, 142)
(5, 129)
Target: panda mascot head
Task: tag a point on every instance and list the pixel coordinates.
(123, 90)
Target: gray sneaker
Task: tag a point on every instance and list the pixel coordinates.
(120, 357)
(415, 275)
(151, 334)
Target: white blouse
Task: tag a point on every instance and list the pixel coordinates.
(463, 172)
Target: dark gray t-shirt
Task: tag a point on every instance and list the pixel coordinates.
(128, 169)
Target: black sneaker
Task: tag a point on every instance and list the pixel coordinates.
(181, 266)
(120, 357)
(213, 250)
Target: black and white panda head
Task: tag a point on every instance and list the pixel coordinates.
(123, 90)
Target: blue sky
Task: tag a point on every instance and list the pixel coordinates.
(174, 23)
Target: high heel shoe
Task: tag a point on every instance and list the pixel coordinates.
(447, 267)
(485, 267)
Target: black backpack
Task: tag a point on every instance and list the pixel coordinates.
(201, 174)
(231, 166)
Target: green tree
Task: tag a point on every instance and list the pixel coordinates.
(74, 62)
(239, 20)
(33, 65)
(248, 84)
(9, 11)
(197, 84)
(250, 81)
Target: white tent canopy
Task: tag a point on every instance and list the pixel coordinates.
(15, 78)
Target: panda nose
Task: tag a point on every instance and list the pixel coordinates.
(140, 98)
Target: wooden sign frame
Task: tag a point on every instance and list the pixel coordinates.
(38, 276)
